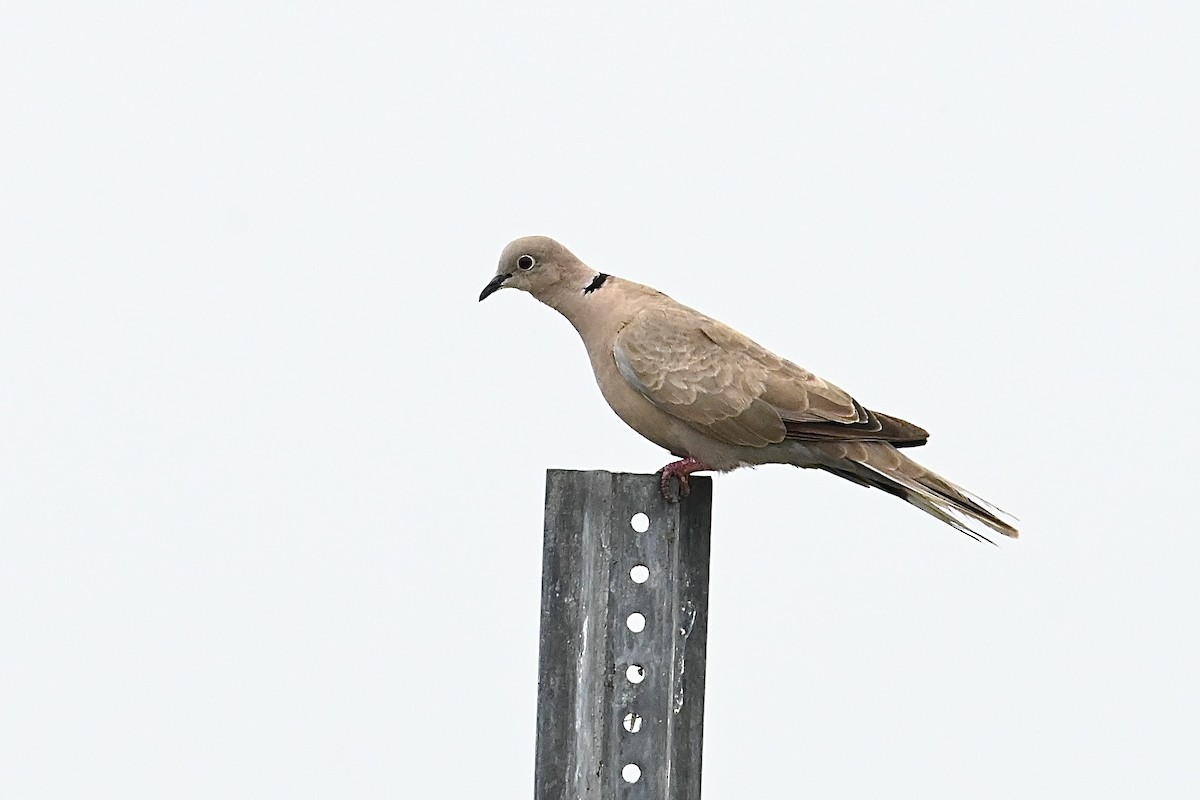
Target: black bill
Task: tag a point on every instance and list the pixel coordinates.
(494, 285)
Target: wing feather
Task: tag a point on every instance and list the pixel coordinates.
(729, 387)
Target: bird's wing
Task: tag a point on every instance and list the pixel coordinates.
(731, 388)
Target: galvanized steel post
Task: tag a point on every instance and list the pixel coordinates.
(623, 632)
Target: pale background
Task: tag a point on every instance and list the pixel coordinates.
(271, 488)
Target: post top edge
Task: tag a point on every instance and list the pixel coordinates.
(556, 471)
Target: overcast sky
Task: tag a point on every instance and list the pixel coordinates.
(271, 479)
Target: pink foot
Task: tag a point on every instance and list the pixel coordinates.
(680, 470)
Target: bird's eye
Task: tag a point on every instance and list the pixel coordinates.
(525, 262)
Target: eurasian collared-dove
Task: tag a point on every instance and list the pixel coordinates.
(718, 400)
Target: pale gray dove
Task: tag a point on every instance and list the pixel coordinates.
(718, 400)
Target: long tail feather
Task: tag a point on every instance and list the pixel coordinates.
(880, 465)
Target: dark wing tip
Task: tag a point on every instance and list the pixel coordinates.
(875, 428)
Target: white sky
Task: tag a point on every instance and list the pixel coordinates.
(271, 479)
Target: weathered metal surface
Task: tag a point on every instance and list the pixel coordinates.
(593, 720)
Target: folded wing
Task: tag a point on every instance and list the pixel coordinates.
(731, 388)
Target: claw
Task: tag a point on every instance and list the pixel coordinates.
(679, 470)
(669, 492)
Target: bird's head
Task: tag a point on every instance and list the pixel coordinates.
(538, 265)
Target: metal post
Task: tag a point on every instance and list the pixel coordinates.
(621, 696)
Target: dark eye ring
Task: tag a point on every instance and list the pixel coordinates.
(525, 262)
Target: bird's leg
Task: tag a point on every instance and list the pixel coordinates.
(678, 469)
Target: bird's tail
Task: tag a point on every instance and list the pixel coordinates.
(880, 465)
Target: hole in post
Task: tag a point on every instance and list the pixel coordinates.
(639, 574)
(632, 773)
(636, 673)
(633, 722)
(640, 522)
(636, 622)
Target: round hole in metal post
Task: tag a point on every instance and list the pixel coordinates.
(636, 673)
(640, 522)
(633, 722)
(639, 574)
(636, 622)
(632, 773)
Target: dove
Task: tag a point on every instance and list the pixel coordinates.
(717, 400)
